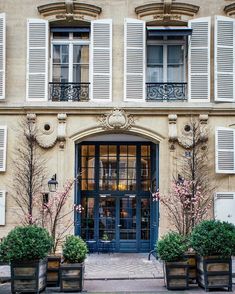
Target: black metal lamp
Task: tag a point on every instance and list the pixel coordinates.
(53, 184)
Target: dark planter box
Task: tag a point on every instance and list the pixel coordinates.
(71, 277)
(192, 266)
(28, 276)
(214, 272)
(53, 271)
(176, 275)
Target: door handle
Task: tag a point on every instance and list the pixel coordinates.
(119, 226)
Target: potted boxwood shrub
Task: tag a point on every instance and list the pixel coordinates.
(171, 249)
(72, 269)
(214, 243)
(26, 249)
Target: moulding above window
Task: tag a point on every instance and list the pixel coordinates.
(167, 11)
(230, 9)
(69, 10)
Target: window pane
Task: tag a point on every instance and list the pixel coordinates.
(80, 73)
(175, 61)
(155, 63)
(83, 36)
(81, 54)
(60, 73)
(155, 55)
(60, 35)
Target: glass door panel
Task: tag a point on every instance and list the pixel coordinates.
(145, 219)
(127, 226)
(88, 219)
(107, 217)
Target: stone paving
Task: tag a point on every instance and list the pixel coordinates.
(119, 273)
(122, 266)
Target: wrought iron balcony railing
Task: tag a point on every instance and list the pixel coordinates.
(166, 91)
(68, 91)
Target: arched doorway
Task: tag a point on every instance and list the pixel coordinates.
(117, 173)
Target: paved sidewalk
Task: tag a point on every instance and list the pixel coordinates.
(122, 266)
(152, 286)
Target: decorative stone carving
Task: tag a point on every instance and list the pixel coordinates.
(230, 9)
(61, 134)
(47, 141)
(167, 11)
(116, 119)
(172, 127)
(69, 10)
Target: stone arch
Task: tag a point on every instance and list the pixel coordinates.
(141, 132)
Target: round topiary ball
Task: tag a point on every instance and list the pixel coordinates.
(74, 249)
(27, 243)
(172, 247)
(213, 238)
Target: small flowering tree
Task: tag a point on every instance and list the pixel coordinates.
(52, 214)
(186, 205)
(190, 195)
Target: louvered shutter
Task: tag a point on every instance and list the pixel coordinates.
(224, 206)
(225, 155)
(3, 147)
(101, 60)
(37, 60)
(199, 60)
(2, 54)
(134, 60)
(2, 208)
(224, 59)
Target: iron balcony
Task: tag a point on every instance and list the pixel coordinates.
(68, 91)
(166, 91)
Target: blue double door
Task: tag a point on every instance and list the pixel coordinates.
(125, 219)
(114, 191)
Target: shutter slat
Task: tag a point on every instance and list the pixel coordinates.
(224, 59)
(2, 55)
(225, 151)
(3, 147)
(2, 208)
(134, 60)
(199, 60)
(37, 60)
(101, 60)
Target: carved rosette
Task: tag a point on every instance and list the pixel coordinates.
(117, 119)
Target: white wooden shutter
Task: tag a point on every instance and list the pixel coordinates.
(199, 60)
(2, 208)
(224, 206)
(225, 155)
(2, 55)
(37, 60)
(224, 59)
(101, 60)
(3, 147)
(134, 60)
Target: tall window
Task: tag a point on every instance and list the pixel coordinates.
(166, 59)
(70, 56)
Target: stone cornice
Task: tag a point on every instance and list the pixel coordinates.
(69, 10)
(224, 109)
(166, 10)
(230, 9)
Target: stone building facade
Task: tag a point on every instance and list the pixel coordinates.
(111, 85)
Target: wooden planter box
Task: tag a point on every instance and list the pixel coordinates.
(72, 277)
(214, 272)
(192, 266)
(28, 276)
(176, 275)
(53, 271)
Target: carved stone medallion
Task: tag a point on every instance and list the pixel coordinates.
(116, 119)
